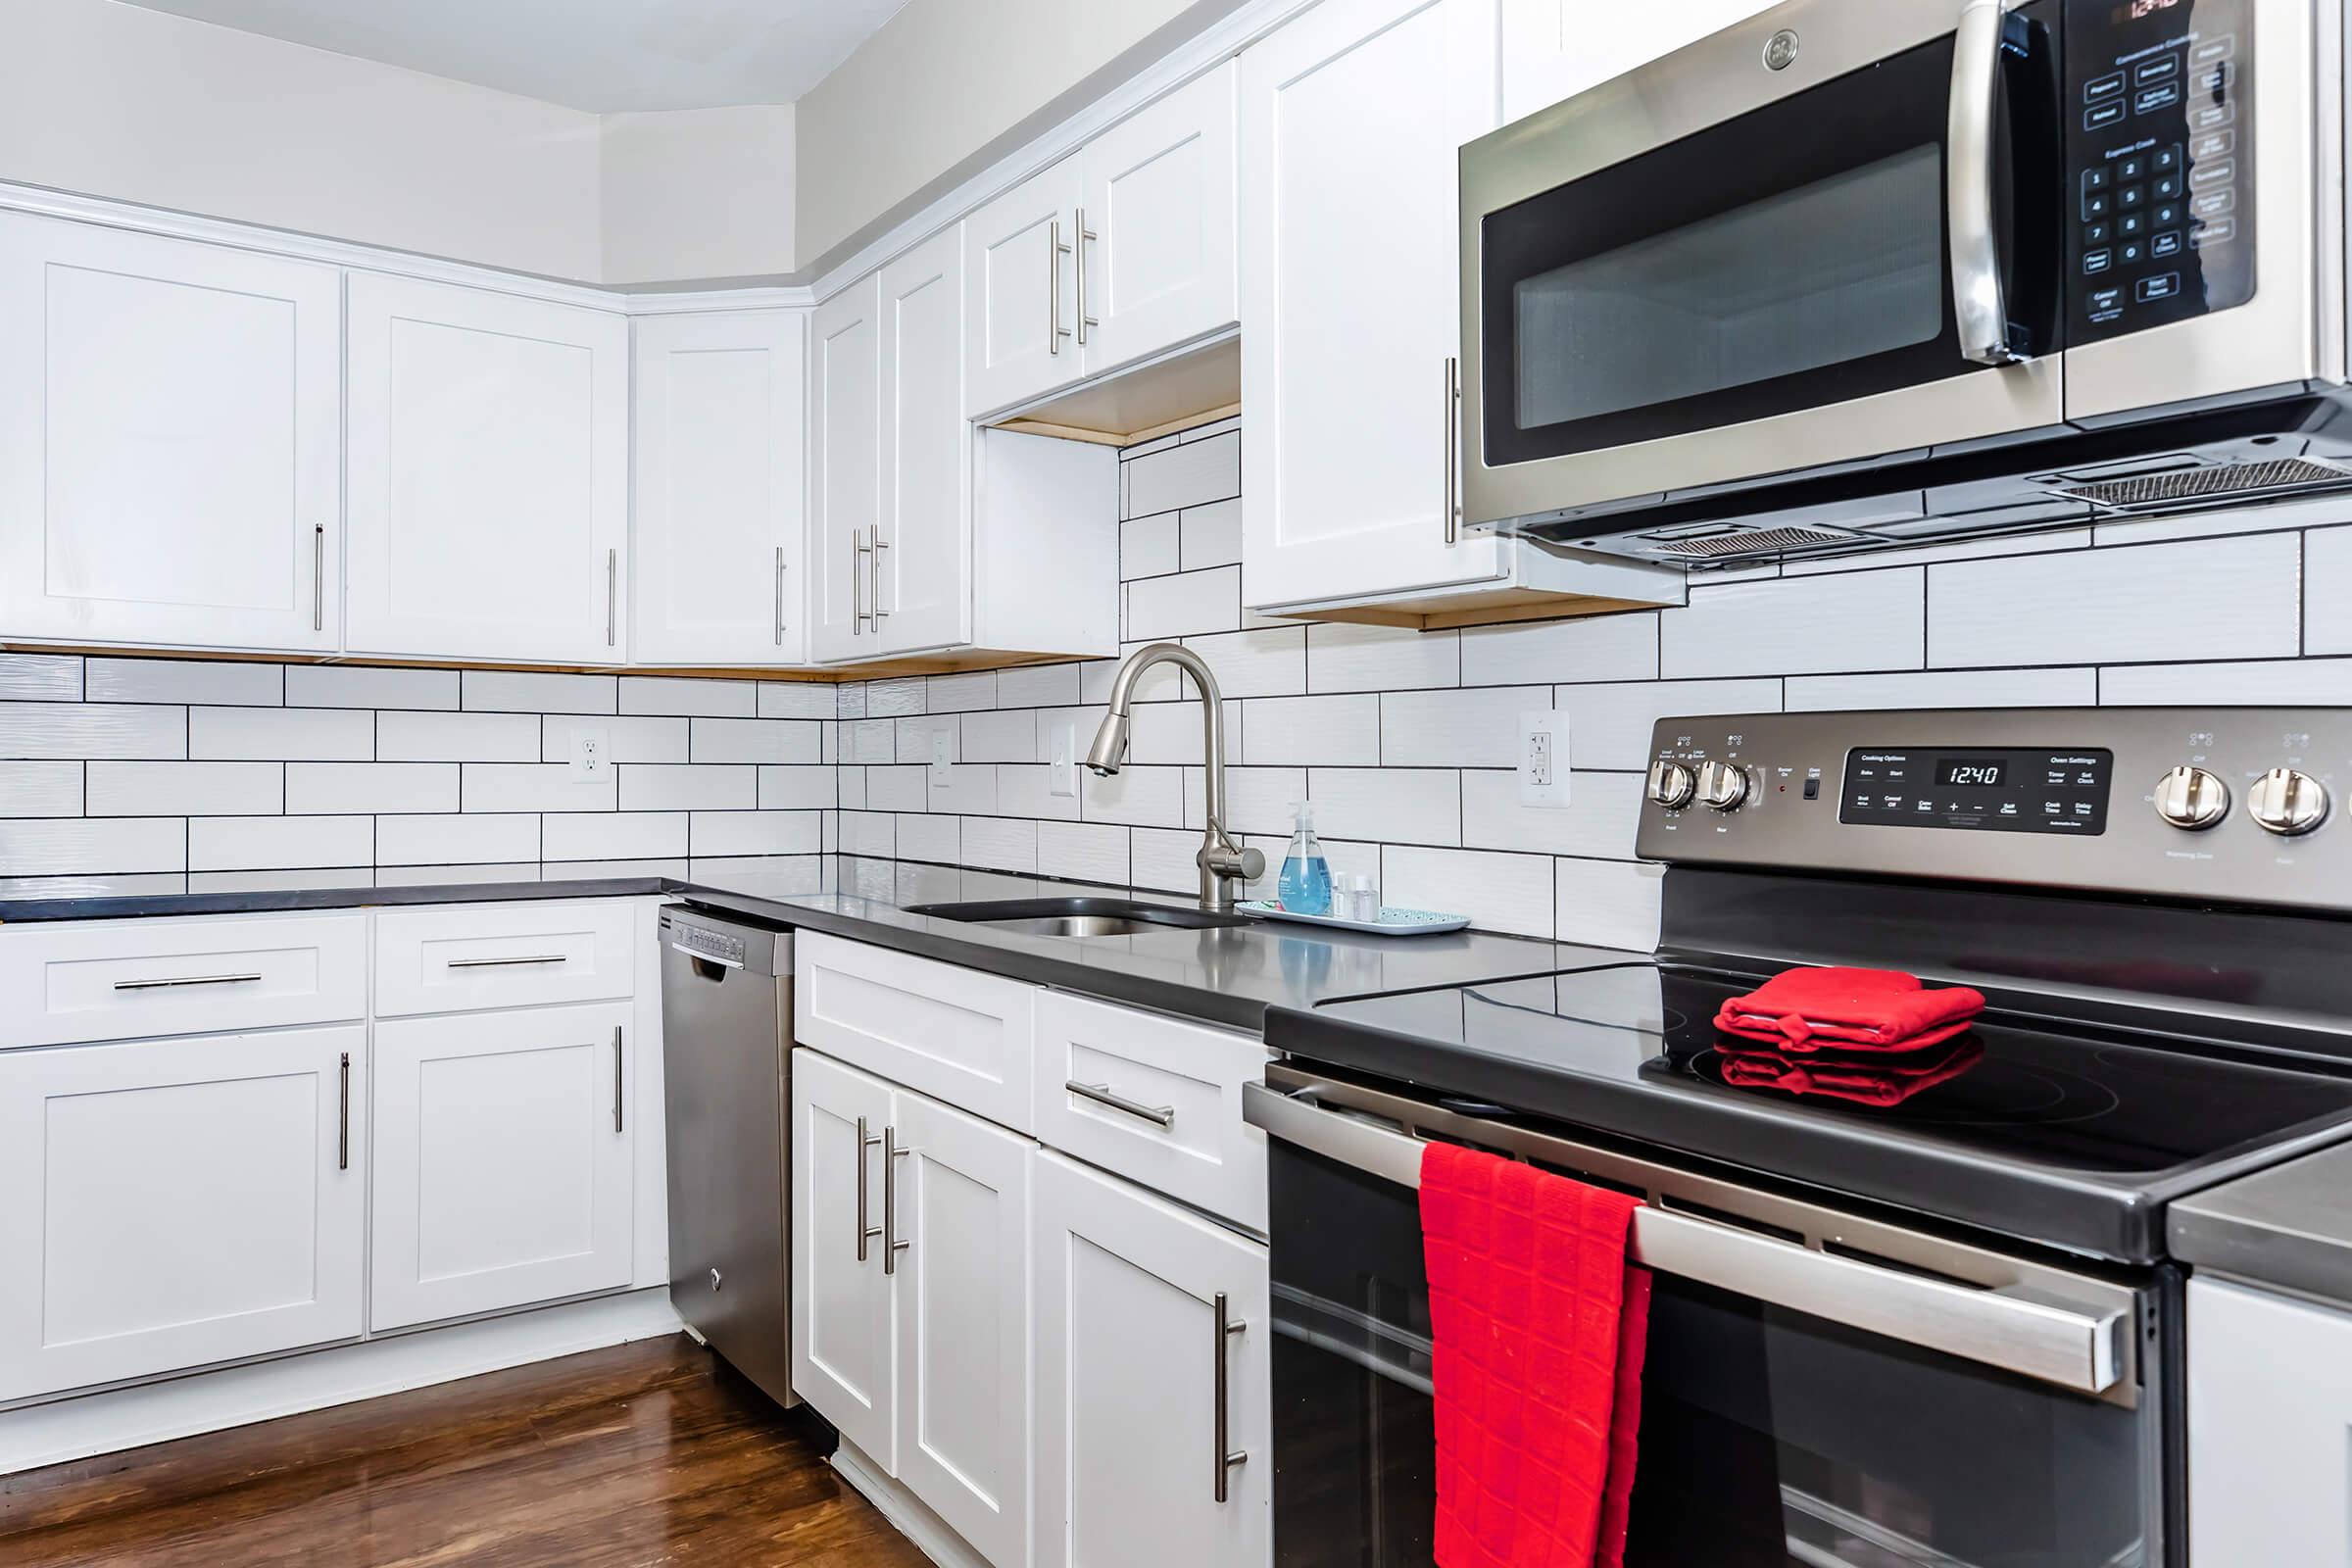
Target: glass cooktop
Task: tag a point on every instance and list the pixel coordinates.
(2073, 1135)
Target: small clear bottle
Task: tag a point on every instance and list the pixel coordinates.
(1305, 874)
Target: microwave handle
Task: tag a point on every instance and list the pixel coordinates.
(1980, 302)
(2073, 1347)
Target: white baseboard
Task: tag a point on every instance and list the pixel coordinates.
(932, 1536)
(261, 1390)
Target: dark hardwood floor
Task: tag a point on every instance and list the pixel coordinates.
(648, 1454)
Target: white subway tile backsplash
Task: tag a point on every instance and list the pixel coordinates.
(1172, 733)
(2286, 682)
(1622, 647)
(532, 787)
(957, 694)
(784, 789)
(529, 692)
(1510, 893)
(931, 838)
(1609, 904)
(1137, 796)
(44, 789)
(1609, 724)
(1192, 473)
(1341, 731)
(1398, 804)
(756, 833)
(1211, 535)
(1162, 859)
(1257, 800)
(455, 873)
(1476, 728)
(1025, 790)
(2065, 687)
(611, 835)
(280, 734)
(870, 740)
(2204, 599)
(1346, 657)
(329, 789)
(868, 833)
(274, 843)
(1147, 545)
(40, 677)
(915, 738)
(627, 740)
(895, 699)
(402, 737)
(968, 789)
(1184, 606)
(799, 699)
(92, 846)
(681, 787)
(1036, 686)
(183, 680)
(1599, 820)
(367, 686)
(600, 870)
(704, 698)
(755, 740)
(1082, 851)
(1000, 735)
(998, 843)
(477, 838)
(184, 789)
(1799, 625)
(61, 731)
(1270, 661)
(897, 788)
(2328, 591)
(93, 886)
(311, 879)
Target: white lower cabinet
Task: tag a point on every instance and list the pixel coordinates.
(1129, 1361)
(910, 1294)
(503, 1171)
(2269, 1422)
(176, 1202)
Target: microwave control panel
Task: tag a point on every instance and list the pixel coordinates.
(2160, 167)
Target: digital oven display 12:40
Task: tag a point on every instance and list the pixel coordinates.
(2014, 790)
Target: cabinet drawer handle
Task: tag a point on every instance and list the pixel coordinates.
(612, 598)
(779, 595)
(343, 1114)
(1100, 1094)
(186, 980)
(892, 1246)
(859, 550)
(1226, 1458)
(319, 576)
(880, 544)
(504, 963)
(865, 1232)
(619, 1055)
(1055, 250)
(1085, 234)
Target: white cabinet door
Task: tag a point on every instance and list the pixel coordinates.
(1159, 203)
(921, 576)
(1128, 1364)
(502, 1168)
(962, 1036)
(1556, 49)
(717, 551)
(171, 441)
(488, 449)
(1351, 119)
(1021, 291)
(843, 1341)
(175, 1203)
(2269, 1422)
(959, 1202)
(845, 459)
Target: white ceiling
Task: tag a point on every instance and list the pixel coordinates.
(603, 56)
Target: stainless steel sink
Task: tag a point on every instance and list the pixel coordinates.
(1079, 918)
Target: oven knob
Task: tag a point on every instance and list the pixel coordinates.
(2191, 798)
(1723, 785)
(1670, 785)
(2288, 803)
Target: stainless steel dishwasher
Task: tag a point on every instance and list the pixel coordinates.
(726, 1050)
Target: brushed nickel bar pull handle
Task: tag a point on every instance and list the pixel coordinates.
(504, 963)
(858, 560)
(319, 576)
(1453, 402)
(619, 1055)
(1226, 1458)
(779, 595)
(1100, 1094)
(1055, 250)
(892, 1246)
(186, 980)
(1084, 234)
(880, 544)
(343, 1114)
(612, 598)
(865, 1232)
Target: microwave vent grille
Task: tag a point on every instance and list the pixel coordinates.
(1753, 541)
(2220, 481)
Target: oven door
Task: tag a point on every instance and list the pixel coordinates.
(1819, 1389)
(1826, 234)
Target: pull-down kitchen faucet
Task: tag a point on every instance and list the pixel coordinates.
(1222, 861)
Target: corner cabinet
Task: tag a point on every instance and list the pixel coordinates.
(487, 449)
(719, 545)
(171, 442)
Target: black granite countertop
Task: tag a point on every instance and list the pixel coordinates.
(1227, 976)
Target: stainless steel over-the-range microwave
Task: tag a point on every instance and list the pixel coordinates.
(1861, 273)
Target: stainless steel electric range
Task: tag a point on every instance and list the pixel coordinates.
(1912, 1320)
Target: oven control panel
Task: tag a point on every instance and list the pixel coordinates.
(2160, 165)
(2232, 804)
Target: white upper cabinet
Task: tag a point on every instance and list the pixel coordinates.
(1122, 250)
(844, 469)
(1021, 291)
(170, 429)
(1556, 49)
(1155, 230)
(920, 567)
(488, 457)
(1351, 119)
(718, 547)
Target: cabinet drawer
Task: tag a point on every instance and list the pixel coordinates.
(955, 1034)
(503, 956)
(1155, 1101)
(123, 979)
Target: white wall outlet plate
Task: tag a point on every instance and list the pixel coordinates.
(943, 758)
(1544, 758)
(591, 751)
(1061, 760)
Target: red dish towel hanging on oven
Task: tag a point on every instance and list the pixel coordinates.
(1540, 1325)
(1847, 1010)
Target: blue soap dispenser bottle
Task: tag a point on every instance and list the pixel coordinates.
(1305, 874)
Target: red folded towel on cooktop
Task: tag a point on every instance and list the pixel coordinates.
(1881, 1078)
(1540, 1326)
(1877, 1010)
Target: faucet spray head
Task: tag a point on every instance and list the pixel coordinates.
(1109, 749)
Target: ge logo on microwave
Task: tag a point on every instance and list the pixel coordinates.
(1780, 50)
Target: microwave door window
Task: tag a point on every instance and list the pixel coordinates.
(1839, 270)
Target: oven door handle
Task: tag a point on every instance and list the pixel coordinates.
(2072, 1347)
(1979, 301)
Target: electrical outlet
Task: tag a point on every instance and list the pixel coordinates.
(1061, 773)
(590, 745)
(943, 758)
(1544, 758)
